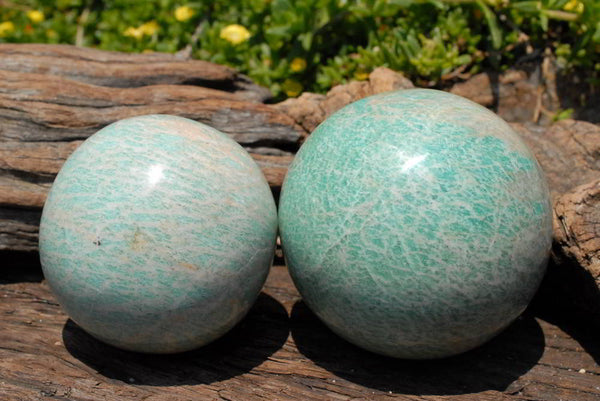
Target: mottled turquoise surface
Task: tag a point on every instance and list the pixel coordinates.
(158, 234)
(415, 224)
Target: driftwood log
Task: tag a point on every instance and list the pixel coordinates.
(568, 151)
(35, 107)
(282, 352)
(577, 214)
(576, 272)
(124, 70)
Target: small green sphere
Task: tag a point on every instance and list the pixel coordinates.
(158, 234)
(416, 224)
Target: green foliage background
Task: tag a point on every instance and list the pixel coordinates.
(314, 44)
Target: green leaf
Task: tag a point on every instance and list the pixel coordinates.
(306, 40)
(492, 23)
(402, 3)
(544, 22)
(563, 114)
(596, 35)
(532, 7)
(279, 31)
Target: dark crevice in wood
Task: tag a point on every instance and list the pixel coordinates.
(27, 176)
(270, 143)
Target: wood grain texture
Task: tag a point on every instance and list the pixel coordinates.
(19, 229)
(35, 107)
(577, 247)
(513, 95)
(282, 352)
(124, 70)
(577, 226)
(568, 151)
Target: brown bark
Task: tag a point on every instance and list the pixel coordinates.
(124, 70)
(577, 243)
(568, 151)
(19, 229)
(577, 225)
(282, 352)
(36, 107)
(515, 95)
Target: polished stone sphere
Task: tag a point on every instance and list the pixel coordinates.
(158, 234)
(416, 224)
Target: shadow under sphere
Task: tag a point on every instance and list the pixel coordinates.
(262, 332)
(569, 298)
(493, 366)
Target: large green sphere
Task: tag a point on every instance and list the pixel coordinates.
(158, 234)
(415, 224)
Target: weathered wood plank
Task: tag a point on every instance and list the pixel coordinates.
(281, 351)
(577, 245)
(35, 107)
(19, 229)
(568, 151)
(124, 70)
(514, 95)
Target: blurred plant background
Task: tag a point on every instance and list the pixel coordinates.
(293, 46)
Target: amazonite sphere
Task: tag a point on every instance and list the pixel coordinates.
(416, 224)
(158, 234)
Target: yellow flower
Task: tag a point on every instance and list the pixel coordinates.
(132, 32)
(184, 13)
(361, 75)
(51, 33)
(35, 16)
(147, 51)
(149, 28)
(298, 64)
(291, 87)
(6, 27)
(235, 34)
(574, 5)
